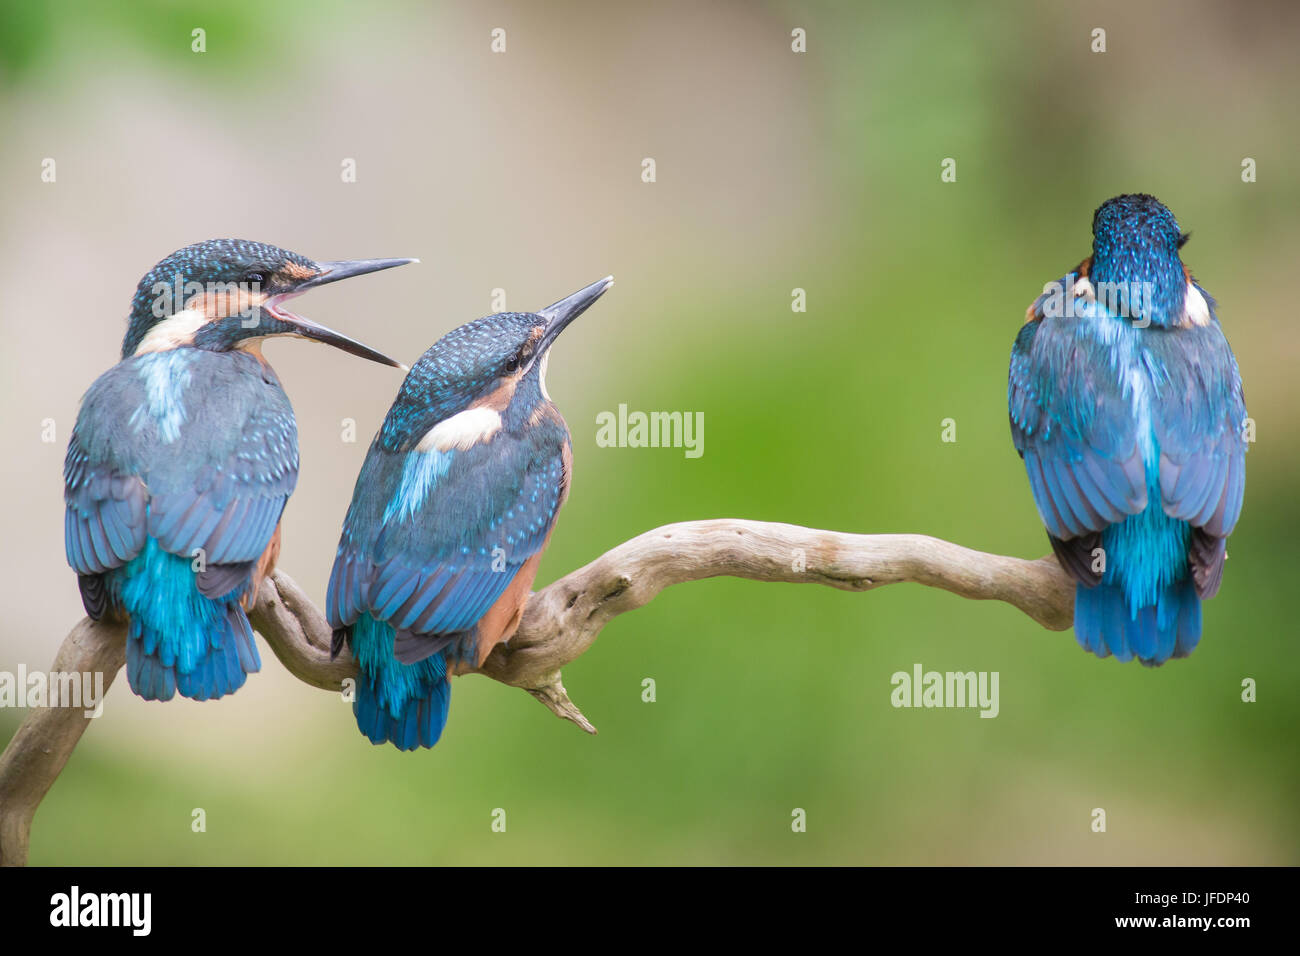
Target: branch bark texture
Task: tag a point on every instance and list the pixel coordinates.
(559, 623)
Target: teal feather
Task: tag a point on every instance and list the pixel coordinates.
(405, 704)
(178, 639)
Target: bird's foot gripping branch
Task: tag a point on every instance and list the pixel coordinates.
(559, 623)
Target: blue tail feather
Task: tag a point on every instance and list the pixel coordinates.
(1189, 624)
(402, 704)
(1105, 625)
(1146, 606)
(179, 640)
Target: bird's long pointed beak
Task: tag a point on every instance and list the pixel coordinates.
(333, 272)
(561, 313)
(347, 268)
(320, 333)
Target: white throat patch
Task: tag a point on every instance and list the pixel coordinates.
(462, 431)
(1196, 311)
(173, 331)
(541, 374)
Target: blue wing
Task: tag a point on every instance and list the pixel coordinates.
(195, 450)
(1198, 423)
(229, 504)
(433, 539)
(1072, 422)
(104, 518)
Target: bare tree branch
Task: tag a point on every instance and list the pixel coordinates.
(43, 742)
(560, 622)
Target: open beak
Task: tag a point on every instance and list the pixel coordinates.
(333, 272)
(559, 315)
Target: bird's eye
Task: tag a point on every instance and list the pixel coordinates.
(518, 359)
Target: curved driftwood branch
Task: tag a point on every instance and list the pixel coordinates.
(43, 742)
(560, 622)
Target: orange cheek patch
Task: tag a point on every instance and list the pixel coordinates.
(225, 300)
(499, 400)
(296, 272)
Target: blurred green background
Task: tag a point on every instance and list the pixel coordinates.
(775, 170)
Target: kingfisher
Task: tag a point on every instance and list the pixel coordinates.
(453, 507)
(1126, 405)
(183, 457)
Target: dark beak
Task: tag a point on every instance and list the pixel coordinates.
(334, 271)
(559, 315)
(320, 333)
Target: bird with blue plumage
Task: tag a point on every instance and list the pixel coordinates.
(452, 510)
(183, 457)
(1126, 405)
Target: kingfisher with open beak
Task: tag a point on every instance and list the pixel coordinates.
(1126, 406)
(452, 510)
(183, 457)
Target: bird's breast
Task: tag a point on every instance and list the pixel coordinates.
(548, 413)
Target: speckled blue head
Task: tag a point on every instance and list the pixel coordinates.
(1135, 243)
(221, 292)
(498, 360)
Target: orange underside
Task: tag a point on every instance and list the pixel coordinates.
(265, 566)
(502, 618)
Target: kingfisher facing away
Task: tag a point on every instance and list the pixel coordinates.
(183, 457)
(1126, 406)
(452, 510)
